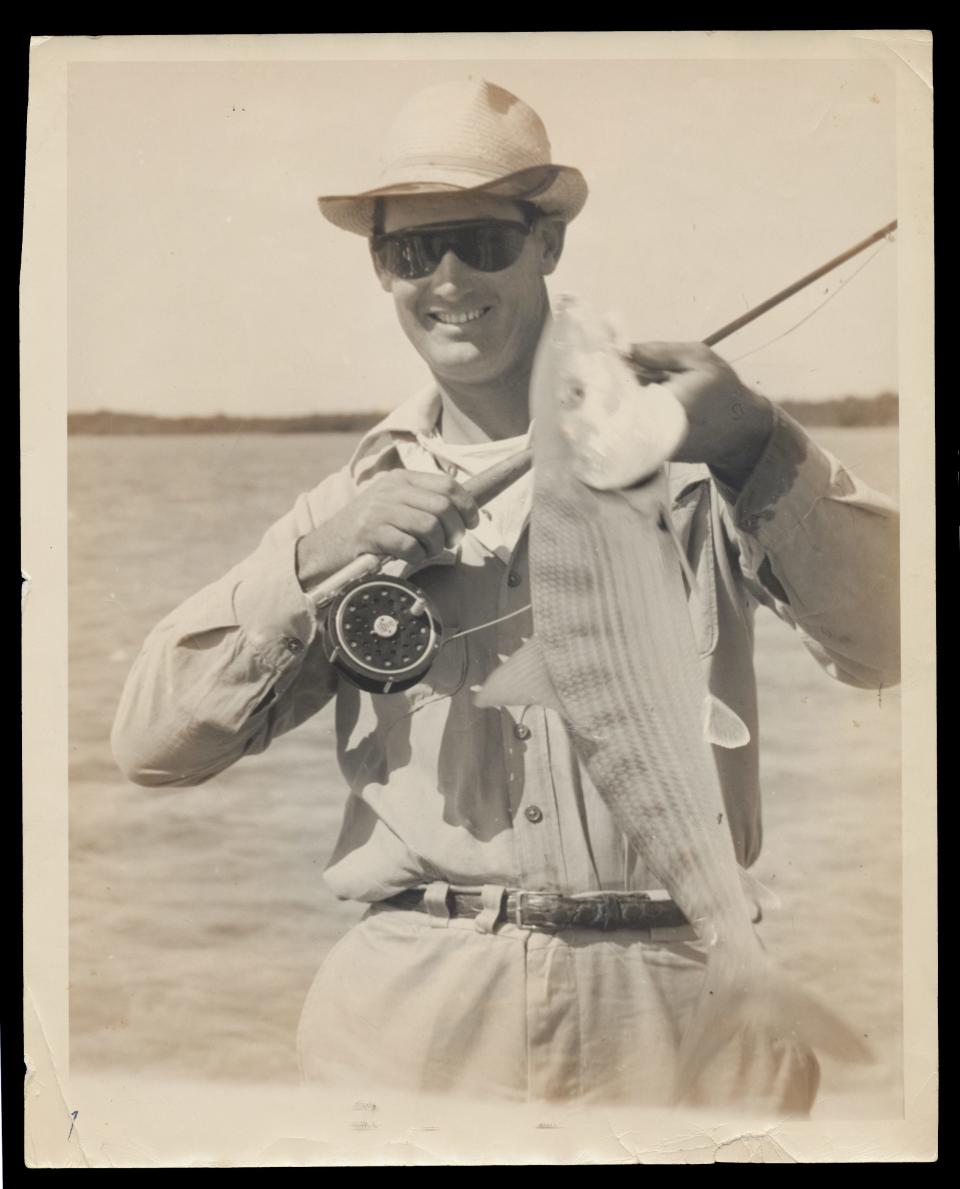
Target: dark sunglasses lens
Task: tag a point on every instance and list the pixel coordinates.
(491, 248)
(405, 256)
(487, 247)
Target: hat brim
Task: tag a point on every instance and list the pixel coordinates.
(557, 190)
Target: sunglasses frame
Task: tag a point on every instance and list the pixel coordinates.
(379, 240)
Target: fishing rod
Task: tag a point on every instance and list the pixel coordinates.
(750, 315)
(382, 633)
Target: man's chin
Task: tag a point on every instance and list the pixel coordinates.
(464, 362)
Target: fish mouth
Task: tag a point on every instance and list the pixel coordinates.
(459, 317)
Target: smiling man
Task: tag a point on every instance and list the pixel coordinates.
(509, 949)
(473, 326)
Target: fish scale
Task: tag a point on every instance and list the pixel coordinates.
(638, 747)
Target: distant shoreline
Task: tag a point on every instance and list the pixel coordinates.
(841, 411)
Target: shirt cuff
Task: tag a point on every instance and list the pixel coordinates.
(275, 615)
(791, 476)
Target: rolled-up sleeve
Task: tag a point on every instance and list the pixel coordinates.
(822, 550)
(234, 666)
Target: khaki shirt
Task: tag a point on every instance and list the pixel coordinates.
(439, 790)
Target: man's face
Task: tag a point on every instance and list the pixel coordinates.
(470, 326)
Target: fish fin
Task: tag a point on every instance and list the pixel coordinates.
(522, 680)
(761, 1005)
(722, 726)
(757, 892)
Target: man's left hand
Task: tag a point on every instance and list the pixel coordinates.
(729, 425)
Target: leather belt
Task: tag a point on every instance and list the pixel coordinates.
(594, 910)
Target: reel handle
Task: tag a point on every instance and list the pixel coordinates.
(482, 487)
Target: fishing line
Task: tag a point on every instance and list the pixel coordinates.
(815, 310)
(488, 624)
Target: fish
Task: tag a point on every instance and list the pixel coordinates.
(613, 653)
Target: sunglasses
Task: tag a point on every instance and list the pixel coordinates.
(488, 245)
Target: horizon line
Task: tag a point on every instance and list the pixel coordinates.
(219, 414)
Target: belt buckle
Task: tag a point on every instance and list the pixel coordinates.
(520, 902)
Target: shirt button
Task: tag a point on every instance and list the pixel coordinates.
(514, 579)
(750, 523)
(292, 644)
(521, 731)
(533, 813)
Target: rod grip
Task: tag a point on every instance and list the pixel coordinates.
(493, 480)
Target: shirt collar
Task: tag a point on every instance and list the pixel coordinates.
(683, 477)
(417, 415)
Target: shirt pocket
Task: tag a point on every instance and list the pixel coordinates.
(694, 526)
(443, 588)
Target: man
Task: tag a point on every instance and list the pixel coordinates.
(447, 983)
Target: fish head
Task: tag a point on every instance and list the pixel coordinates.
(590, 408)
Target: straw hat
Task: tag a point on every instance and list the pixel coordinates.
(465, 137)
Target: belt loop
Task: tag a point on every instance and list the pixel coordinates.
(491, 897)
(435, 902)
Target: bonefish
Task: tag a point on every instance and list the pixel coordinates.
(613, 653)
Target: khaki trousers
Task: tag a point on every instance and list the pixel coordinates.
(437, 1005)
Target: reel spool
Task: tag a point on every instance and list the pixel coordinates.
(382, 634)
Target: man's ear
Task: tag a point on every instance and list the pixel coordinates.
(551, 233)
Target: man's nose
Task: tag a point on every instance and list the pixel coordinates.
(450, 275)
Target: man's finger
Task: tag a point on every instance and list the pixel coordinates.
(443, 508)
(395, 543)
(649, 375)
(426, 527)
(466, 505)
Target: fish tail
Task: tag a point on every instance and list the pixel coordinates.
(765, 1006)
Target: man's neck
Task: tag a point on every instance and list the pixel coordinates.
(485, 414)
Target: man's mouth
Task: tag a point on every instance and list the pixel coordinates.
(459, 317)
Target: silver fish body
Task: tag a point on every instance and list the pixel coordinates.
(616, 640)
(613, 652)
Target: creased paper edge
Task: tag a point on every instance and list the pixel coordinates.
(51, 1139)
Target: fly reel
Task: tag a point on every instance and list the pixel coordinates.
(382, 634)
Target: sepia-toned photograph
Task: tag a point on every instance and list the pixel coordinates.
(482, 467)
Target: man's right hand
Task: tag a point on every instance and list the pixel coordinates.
(411, 515)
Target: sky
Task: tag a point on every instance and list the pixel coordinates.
(202, 278)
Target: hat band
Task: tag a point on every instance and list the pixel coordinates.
(418, 168)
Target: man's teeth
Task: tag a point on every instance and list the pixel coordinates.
(451, 319)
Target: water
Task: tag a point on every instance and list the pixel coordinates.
(199, 916)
